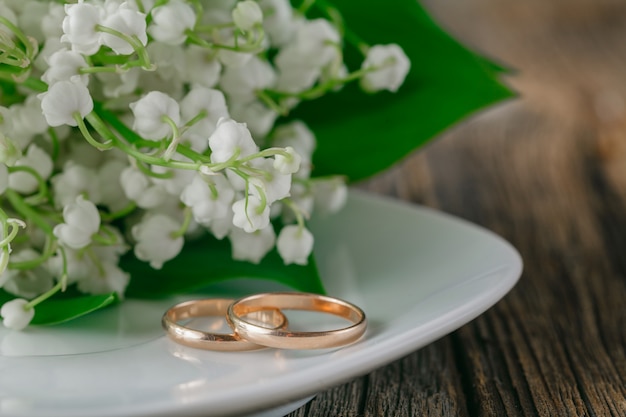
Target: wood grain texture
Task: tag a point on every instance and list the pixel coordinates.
(548, 173)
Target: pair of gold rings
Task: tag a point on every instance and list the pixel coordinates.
(257, 322)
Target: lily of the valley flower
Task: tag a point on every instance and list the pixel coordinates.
(37, 159)
(251, 247)
(209, 199)
(79, 27)
(81, 222)
(63, 65)
(64, 100)
(128, 22)
(390, 66)
(139, 189)
(170, 22)
(230, 138)
(16, 314)
(251, 214)
(294, 244)
(151, 112)
(74, 181)
(156, 240)
(247, 14)
(287, 164)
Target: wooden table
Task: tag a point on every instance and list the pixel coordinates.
(548, 173)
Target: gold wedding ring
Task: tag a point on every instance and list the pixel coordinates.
(179, 333)
(282, 338)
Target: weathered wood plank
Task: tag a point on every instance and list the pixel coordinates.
(548, 173)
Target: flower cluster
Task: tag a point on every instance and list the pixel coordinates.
(139, 124)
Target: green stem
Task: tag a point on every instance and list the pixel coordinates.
(94, 70)
(48, 251)
(15, 228)
(43, 193)
(305, 6)
(27, 211)
(107, 217)
(269, 102)
(133, 41)
(108, 240)
(296, 211)
(54, 139)
(30, 50)
(61, 285)
(132, 137)
(83, 129)
(171, 149)
(186, 222)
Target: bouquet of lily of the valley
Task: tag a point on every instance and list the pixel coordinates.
(154, 146)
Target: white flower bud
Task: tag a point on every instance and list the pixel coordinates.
(287, 164)
(9, 152)
(30, 19)
(82, 220)
(52, 22)
(200, 68)
(155, 243)
(229, 138)
(278, 20)
(139, 189)
(79, 27)
(73, 181)
(275, 185)
(294, 244)
(259, 118)
(201, 99)
(15, 315)
(391, 65)
(169, 59)
(207, 206)
(63, 100)
(251, 247)
(251, 215)
(247, 14)
(170, 21)
(37, 159)
(129, 22)
(312, 46)
(63, 65)
(241, 83)
(149, 112)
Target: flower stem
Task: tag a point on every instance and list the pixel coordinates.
(120, 213)
(185, 226)
(27, 211)
(61, 285)
(83, 129)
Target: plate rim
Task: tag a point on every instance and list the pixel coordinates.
(362, 362)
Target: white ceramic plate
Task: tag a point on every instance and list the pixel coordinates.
(418, 274)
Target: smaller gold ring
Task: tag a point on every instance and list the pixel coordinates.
(282, 338)
(213, 341)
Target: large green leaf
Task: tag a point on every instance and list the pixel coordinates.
(359, 134)
(208, 261)
(61, 308)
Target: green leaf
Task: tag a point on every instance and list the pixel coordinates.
(208, 261)
(61, 308)
(360, 134)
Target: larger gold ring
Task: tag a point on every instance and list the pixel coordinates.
(283, 338)
(213, 341)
